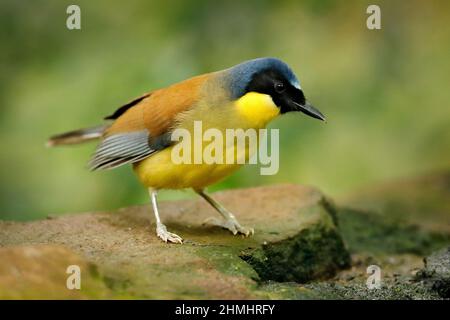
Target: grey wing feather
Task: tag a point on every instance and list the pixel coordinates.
(119, 149)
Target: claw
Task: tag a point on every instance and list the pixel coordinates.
(232, 225)
(167, 236)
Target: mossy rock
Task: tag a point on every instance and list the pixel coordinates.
(315, 252)
(371, 233)
(296, 239)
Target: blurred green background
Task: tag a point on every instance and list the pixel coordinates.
(385, 92)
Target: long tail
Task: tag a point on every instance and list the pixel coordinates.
(77, 136)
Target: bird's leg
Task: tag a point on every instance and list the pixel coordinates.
(230, 222)
(161, 230)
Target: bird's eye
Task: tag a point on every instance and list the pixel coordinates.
(279, 87)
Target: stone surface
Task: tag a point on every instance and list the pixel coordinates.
(39, 271)
(297, 251)
(296, 239)
(393, 225)
(436, 273)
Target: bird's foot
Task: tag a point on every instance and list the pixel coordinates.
(167, 236)
(231, 224)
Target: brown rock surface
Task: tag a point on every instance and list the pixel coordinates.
(294, 230)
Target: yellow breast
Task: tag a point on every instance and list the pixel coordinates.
(159, 171)
(257, 109)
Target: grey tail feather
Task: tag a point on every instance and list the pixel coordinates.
(77, 136)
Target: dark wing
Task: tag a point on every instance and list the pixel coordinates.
(127, 106)
(119, 149)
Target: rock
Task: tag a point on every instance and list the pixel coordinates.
(410, 215)
(393, 225)
(314, 253)
(296, 239)
(436, 273)
(39, 272)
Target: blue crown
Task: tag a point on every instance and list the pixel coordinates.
(241, 74)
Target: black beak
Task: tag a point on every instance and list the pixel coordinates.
(308, 108)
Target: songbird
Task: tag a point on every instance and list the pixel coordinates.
(247, 95)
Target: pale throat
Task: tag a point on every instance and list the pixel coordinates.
(257, 109)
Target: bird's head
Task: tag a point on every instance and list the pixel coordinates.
(272, 77)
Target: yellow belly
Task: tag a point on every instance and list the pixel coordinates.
(158, 171)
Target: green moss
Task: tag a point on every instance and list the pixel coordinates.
(316, 252)
(227, 261)
(371, 233)
(291, 291)
(331, 208)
